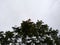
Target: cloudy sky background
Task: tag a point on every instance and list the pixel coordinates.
(12, 12)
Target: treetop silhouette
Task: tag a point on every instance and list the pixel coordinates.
(30, 33)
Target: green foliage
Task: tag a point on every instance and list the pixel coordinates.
(30, 33)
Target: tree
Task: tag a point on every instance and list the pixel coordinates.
(30, 33)
(38, 30)
(1, 37)
(8, 37)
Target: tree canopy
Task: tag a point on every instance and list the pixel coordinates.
(30, 33)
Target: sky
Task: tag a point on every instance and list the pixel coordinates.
(12, 12)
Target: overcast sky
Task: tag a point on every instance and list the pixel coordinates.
(12, 12)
